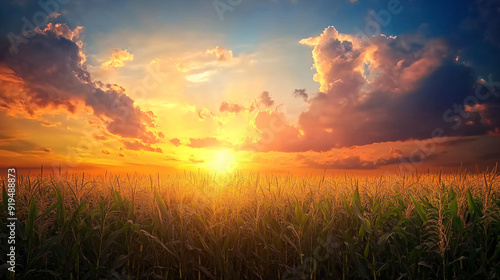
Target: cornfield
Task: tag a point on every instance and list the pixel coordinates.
(251, 226)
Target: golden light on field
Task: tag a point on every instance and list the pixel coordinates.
(222, 161)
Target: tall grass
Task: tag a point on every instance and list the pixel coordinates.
(202, 226)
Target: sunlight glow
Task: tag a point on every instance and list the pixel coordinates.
(222, 161)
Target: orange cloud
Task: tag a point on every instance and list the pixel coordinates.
(231, 107)
(175, 141)
(118, 59)
(45, 150)
(137, 146)
(47, 76)
(221, 53)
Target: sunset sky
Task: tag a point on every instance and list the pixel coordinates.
(282, 86)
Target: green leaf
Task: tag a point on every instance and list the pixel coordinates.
(32, 213)
(367, 250)
(383, 239)
(299, 214)
(356, 199)
(367, 226)
(473, 207)
(162, 209)
(53, 206)
(453, 206)
(420, 209)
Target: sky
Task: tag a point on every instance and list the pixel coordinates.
(266, 85)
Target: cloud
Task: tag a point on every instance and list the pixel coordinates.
(275, 134)
(265, 99)
(221, 53)
(137, 146)
(50, 124)
(385, 89)
(74, 35)
(485, 20)
(106, 152)
(17, 145)
(118, 59)
(204, 113)
(175, 141)
(350, 159)
(170, 158)
(48, 74)
(45, 150)
(54, 15)
(193, 159)
(200, 77)
(301, 93)
(353, 162)
(456, 141)
(231, 107)
(199, 67)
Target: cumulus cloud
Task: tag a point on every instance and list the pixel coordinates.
(231, 107)
(301, 93)
(175, 141)
(265, 99)
(118, 59)
(74, 35)
(273, 128)
(221, 53)
(385, 89)
(48, 74)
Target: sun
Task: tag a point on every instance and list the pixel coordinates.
(223, 161)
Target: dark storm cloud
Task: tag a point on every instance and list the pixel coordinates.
(486, 20)
(415, 86)
(51, 75)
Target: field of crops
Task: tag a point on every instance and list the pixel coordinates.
(250, 226)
